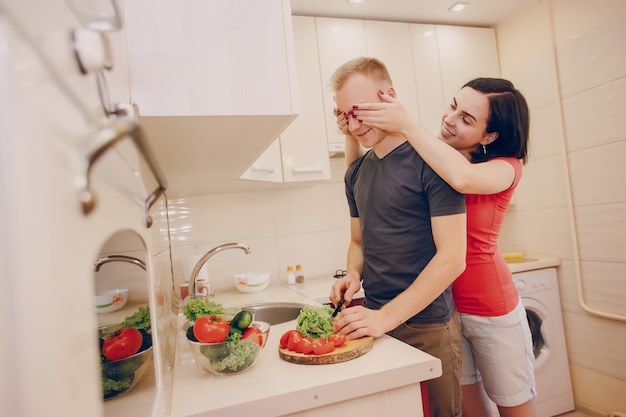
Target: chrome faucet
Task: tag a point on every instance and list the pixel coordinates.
(205, 257)
(118, 258)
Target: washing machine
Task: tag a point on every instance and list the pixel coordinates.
(540, 296)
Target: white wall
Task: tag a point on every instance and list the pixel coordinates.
(568, 58)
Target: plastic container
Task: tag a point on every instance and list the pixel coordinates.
(291, 277)
(299, 274)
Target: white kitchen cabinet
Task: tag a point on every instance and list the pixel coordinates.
(215, 84)
(269, 166)
(465, 53)
(445, 58)
(338, 41)
(301, 153)
(391, 43)
(210, 57)
(427, 75)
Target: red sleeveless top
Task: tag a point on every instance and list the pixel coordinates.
(486, 287)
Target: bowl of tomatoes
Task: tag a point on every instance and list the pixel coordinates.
(224, 347)
(125, 354)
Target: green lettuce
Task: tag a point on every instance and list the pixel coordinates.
(198, 307)
(315, 321)
(238, 355)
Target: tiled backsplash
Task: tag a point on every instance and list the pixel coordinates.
(284, 226)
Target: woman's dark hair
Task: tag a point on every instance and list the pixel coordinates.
(508, 116)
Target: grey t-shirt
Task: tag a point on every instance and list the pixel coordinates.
(395, 198)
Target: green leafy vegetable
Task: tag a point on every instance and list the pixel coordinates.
(110, 387)
(233, 357)
(198, 307)
(139, 320)
(315, 321)
(117, 377)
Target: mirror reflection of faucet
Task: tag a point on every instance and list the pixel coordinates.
(202, 288)
(118, 258)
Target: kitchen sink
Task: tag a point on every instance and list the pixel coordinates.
(274, 313)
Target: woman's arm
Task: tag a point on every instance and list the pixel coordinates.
(453, 166)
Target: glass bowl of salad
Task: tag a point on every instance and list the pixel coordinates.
(233, 355)
(121, 371)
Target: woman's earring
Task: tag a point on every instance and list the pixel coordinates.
(484, 150)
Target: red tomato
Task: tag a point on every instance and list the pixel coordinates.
(285, 338)
(254, 333)
(319, 341)
(210, 329)
(305, 345)
(321, 346)
(337, 339)
(122, 344)
(294, 338)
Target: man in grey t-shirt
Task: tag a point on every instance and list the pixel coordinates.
(408, 240)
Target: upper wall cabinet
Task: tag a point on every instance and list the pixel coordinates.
(465, 53)
(210, 57)
(301, 153)
(214, 82)
(445, 58)
(339, 40)
(427, 75)
(391, 43)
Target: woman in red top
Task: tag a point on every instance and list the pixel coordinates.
(481, 147)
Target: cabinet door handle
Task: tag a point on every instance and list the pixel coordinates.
(103, 139)
(307, 170)
(261, 168)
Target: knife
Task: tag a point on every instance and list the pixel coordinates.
(341, 301)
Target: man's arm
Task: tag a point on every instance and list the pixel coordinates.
(450, 235)
(448, 263)
(353, 150)
(351, 283)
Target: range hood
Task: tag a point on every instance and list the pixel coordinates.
(208, 154)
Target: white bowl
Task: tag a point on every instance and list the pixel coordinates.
(112, 300)
(252, 281)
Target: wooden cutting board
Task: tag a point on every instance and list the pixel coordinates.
(350, 350)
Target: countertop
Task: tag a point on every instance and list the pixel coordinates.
(531, 262)
(274, 387)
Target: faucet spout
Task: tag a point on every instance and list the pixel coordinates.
(118, 258)
(206, 257)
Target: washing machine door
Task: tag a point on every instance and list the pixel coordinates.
(537, 315)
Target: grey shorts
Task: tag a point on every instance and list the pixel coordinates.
(499, 351)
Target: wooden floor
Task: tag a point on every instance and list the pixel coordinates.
(574, 414)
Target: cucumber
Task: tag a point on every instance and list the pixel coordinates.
(241, 320)
(234, 333)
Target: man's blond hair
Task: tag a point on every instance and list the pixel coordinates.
(368, 66)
